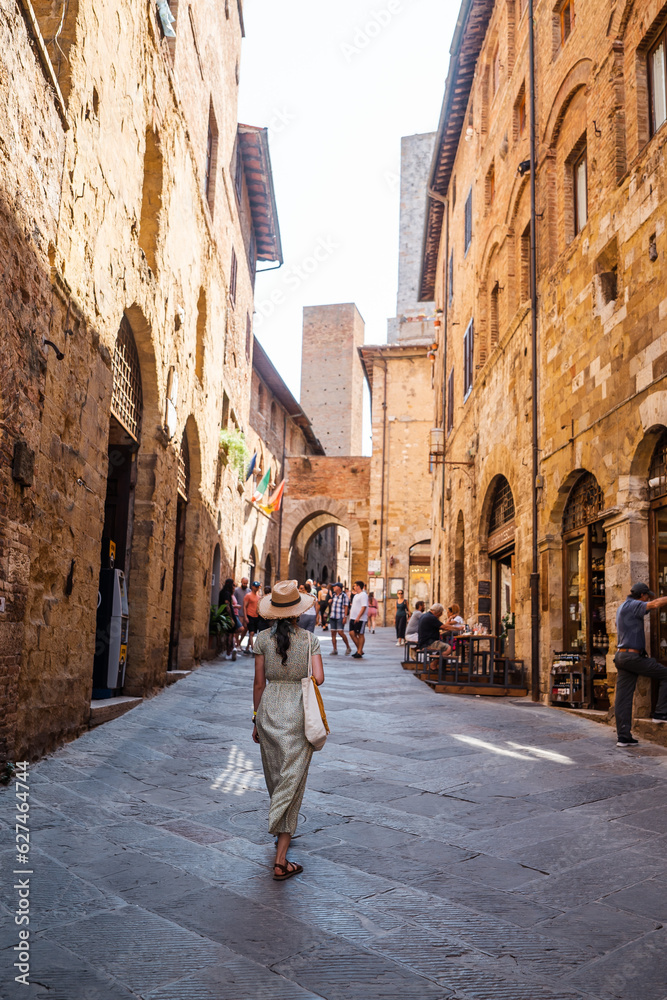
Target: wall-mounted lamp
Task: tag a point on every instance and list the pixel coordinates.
(49, 343)
(523, 168)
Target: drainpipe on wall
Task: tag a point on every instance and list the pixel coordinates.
(535, 576)
(282, 503)
(383, 548)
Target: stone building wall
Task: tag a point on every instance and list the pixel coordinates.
(331, 376)
(326, 490)
(601, 312)
(400, 376)
(116, 219)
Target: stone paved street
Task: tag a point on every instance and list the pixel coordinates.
(453, 847)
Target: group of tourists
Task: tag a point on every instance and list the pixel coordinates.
(324, 610)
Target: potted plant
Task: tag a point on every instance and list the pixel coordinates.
(234, 451)
(507, 635)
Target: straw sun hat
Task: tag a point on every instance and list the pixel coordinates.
(285, 601)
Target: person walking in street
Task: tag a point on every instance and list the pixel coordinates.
(632, 661)
(401, 619)
(281, 661)
(309, 617)
(240, 594)
(227, 601)
(339, 611)
(358, 618)
(372, 611)
(251, 612)
(323, 603)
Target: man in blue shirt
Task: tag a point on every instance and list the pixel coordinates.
(633, 661)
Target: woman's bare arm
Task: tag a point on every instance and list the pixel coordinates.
(260, 681)
(318, 669)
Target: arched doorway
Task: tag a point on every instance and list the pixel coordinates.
(459, 564)
(657, 492)
(252, 565)
(182, 497)
(584, 618)
(111, 640)
(500, 547)
(419, 579)
(215, 576)
(268, 571)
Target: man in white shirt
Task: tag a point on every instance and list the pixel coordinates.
(358, 617)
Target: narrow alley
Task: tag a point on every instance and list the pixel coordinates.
(452, 847)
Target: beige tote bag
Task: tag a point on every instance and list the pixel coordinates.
(317, 727)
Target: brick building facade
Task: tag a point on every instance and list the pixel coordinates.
(133, 211)
(601, 319)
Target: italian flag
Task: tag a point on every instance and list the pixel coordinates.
(275, 501)
(263, 487)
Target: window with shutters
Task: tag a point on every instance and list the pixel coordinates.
(233, 277)
(580, 191)
(211, 168)
(450, 278)
(657, 82)
(126, 396)
(468, 221)
(450, 402)
(468, 359)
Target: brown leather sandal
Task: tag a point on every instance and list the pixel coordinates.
(287, 872)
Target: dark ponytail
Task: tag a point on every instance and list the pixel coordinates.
(284, 629)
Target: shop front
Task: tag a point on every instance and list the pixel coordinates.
(657, 488)
(585, 639)
(501, 550)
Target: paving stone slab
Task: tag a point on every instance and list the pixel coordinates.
(647, 898)
(142, 950)
(340, 972)
(598, 927)
(637, 970)
(58, 974)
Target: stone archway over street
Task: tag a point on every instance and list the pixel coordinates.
(320, 491)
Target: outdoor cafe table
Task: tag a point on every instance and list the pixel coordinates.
(467, 646)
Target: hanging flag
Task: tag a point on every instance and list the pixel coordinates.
(263, 487)
(251, 467)
(274, 503)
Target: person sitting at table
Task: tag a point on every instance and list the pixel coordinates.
(430, 627)
(454, 623)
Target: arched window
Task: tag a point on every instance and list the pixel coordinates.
(126, 397)
(274, 415)
(657, 477)
(184, 469)
(502, 507)
(261, 398)
(584, 504)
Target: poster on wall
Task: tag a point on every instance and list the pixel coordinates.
(376, 587)
(396, 583)
(420, 585)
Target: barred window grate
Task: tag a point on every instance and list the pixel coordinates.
(657, 477)
(502, 508)
(184, 469)
(584, 504)
(126, 399)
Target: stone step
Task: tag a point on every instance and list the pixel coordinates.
(176, 675)
(105, 709)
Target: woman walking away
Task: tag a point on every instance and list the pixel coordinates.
(226, 598)
(372, 611)
(401, 620)
(281, 661)
(309, 617)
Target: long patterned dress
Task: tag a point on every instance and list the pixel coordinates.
(286, 753)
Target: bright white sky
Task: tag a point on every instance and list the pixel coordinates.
(338, 85)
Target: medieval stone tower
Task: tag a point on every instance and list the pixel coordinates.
(332, 377)
(416, 156)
